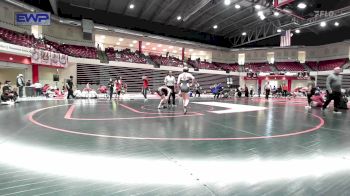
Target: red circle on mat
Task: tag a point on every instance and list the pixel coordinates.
(30, 118)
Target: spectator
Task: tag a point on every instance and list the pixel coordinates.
(111, 87)
(197, 89)
(38, 86)
(69, 86)
(267, 90)
(20, 84)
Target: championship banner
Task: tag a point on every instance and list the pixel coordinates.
(43, 57)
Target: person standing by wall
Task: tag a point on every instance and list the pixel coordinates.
(197, 87)
(170, 81)
(69, 86)
(111, 87)
(333, 85)
(267, 90)
(20, 85)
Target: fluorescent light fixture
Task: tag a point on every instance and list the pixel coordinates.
(244, 33)
(323, 24)
(297, 31)
(301, 5)
(227, 2)
(131, 6)
(237, 6)
(279, 30)
(215, 26)
(179, 18)
(336, 24)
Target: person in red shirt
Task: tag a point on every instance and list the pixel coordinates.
(118, 86)
(317, 100)
(145, 87)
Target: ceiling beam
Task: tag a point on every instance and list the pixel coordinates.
(53, 4)
(146, 8)
(227, 8)
(197, 15)
(179, 6)
(162, 7)
(108, 6)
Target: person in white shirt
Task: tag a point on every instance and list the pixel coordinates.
(170, 81)
(183, 82)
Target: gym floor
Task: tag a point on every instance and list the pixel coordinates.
(226, 147)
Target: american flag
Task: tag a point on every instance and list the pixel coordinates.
(286, 38)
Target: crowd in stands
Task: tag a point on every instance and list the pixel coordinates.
(126, 55)
(167, 60)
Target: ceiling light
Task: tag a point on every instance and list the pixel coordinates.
(227, 2)
(297, 31)
(102, 37)
(244, 33)
(180, 48)
(258, 7)
(262, 17)
(237, 6)
(174, 51)
(159, 45)
(336, 24)
(135, 41)
(179, 18)
(279, 30)
(191, 50)
(276, 13)
(323, 24)
(260, 13)
(143, 47)
(131, 45)
(11, 58)
(171, 47)
(121, 39)
(154, 48)
(131, 6)
(164, 50)
(148, 43)
(301, 5)
(215, 26)
(118, 43)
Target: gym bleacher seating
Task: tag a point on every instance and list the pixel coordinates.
(258, 67)
(326, 65)
(227, 67)
(289, 66)
(167, 61)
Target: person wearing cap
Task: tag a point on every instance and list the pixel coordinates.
(333, 84)
(183, 82)
(20, 84)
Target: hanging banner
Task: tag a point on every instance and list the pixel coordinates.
(43, 57)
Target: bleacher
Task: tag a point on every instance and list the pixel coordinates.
(258, 67)
(289, 66)
(128, 56)
(227, 67)
(326, 65)
(166, 61)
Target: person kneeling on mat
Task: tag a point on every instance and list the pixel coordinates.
(164, 93)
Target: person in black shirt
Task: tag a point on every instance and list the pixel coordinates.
(69, 87)
(110, 86)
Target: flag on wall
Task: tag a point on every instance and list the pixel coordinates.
(286, 38)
